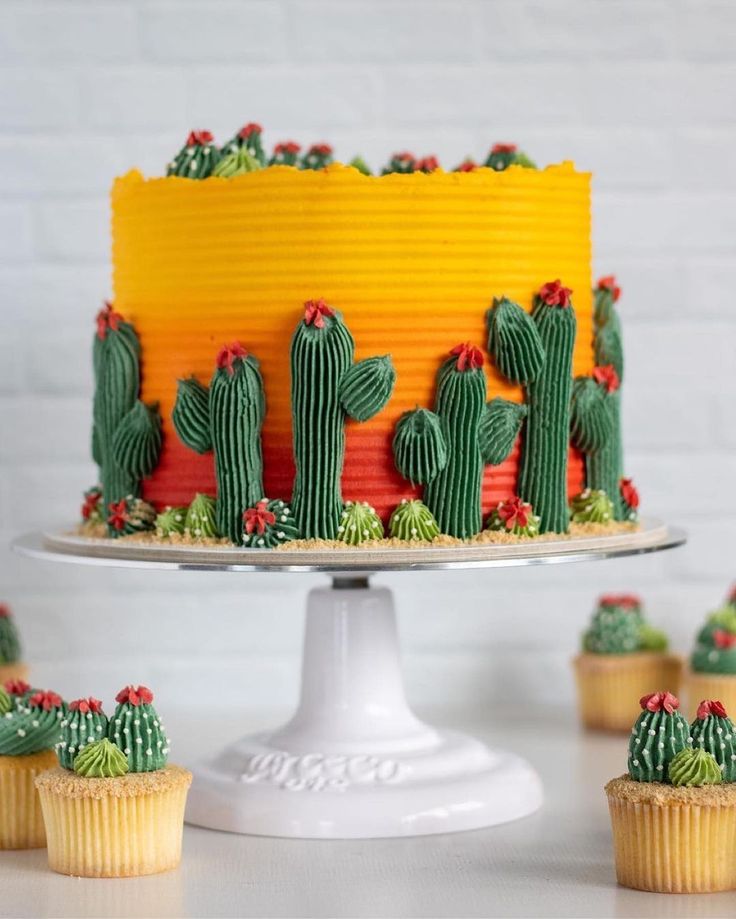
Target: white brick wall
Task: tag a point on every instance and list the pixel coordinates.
(639, 91)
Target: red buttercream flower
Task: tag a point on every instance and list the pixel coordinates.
(724, 640)
(607, 377)
(4, 611)
(609, 283)
(629, 493)
(315, 311)
(107, 318)
(660, 702)
(287, 146)
(258, 518)
(46, 700)
(467, 165)
(404, 157)
(118, 516)
(504, 148)
(514, 512)
(91, 501)
(228, 354)
(711, 707)
(86, 705)
(554, 294)
(321, 149)
(251, 128)
(468, 356)
(427, 164)
(627, 601)
(199, 137)
(135, 695)
(17, 687)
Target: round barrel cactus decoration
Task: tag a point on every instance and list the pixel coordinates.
(269, 524)
(359, 523)
(413, 520)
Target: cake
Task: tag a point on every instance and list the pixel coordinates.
(622, 656)
(11, 665)
(112, 806)
(329, 355)
(674, 812)
(29, 730)
(712, 670)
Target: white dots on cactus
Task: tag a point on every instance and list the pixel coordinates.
(660, 768)
(126, 751)
(636, 762)
(651, 732)
(366, 533)
(280, 534)
(638, 740)
(99, 728)
(159, 743)
(156, 724)
(719, 730)
(149, 731)
(139, 740)
(126, 730)
(145, 716)
(261, 542)
(90, 739)
(34, 724)
(149, 752)
(341, 529)
(118, 721)
(284, 518)
(137, 722)
(661, 746)
(64, 724)
(21, 732)
(712, 655)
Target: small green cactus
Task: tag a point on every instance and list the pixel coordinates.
(652, 640)
(101, 759)
(713, 731)
(501, 156)
(92, 508)
(248, 141)
(515, 517)
(591, 506)
(32, 724)
(130, 516)
(126, 433)
(694, 767)
(9, 641)
(269, 524)
(359, 523)
(285, 153)
(659, 734)
(317, 157)
(200, 521)
(403, 163)
(171, 521)
(327, 386)
(613, 631)
(83, 723)
(137, 730)
(357, 162)
(227, 418)
(413, 520)
(197, 158)
(234, 164)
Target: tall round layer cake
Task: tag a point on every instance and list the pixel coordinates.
(411, 261)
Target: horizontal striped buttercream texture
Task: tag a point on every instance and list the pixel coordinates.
(412, 261)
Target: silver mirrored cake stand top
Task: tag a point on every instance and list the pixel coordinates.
(354, 761)
(62, 546)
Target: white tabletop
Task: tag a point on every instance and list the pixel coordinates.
(556, 863)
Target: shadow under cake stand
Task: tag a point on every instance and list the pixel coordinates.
(354, 761)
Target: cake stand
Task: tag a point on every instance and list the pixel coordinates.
(354, 761)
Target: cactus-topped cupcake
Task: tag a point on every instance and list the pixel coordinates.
(712, 670)
(11, 665)
(622, 655)
(30, 727)
(113, 807)
(675, 809)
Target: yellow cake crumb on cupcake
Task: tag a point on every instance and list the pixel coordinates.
(113, 807)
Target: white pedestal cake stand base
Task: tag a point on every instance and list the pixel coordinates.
(354, 761)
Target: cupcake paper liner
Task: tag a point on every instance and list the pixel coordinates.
(699, 686)
(21, 820)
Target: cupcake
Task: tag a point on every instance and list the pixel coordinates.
(674, 812)
(622, 657)
(112, 806)
(11, 667)
(29, 728)
(712, 671)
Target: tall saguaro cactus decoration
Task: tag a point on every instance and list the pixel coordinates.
(126, 433)
(227, 417)
(536, 351)
(327, 386)
(446, 450)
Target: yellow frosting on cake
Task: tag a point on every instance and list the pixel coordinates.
(412, 262)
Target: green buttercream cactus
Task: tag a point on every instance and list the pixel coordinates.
(171, 521)
(227, 418)
(285, 153)
(715, 648)
(413, 520)
(317, 157)
(248, 140)
(33, 723)
(9, 640)
(694, 767)
(200, 521)
(514, 517)
(446, 450)
(126, 433)
(269, 524)
(651, 639)
(714, 732)
(536, 351)
(501, 156)
(197, 158)
(92, 511)
(614, 629)
(658, 735)
(101, 760)
(83, 723)
(591, 506)
(357, 162)
(402, 163)
(327, 387)
(359, 523)
(130, 516)
(136, 729)
(427, 164)
(235, 164)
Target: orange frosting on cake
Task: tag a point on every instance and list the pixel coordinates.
(412, 262)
